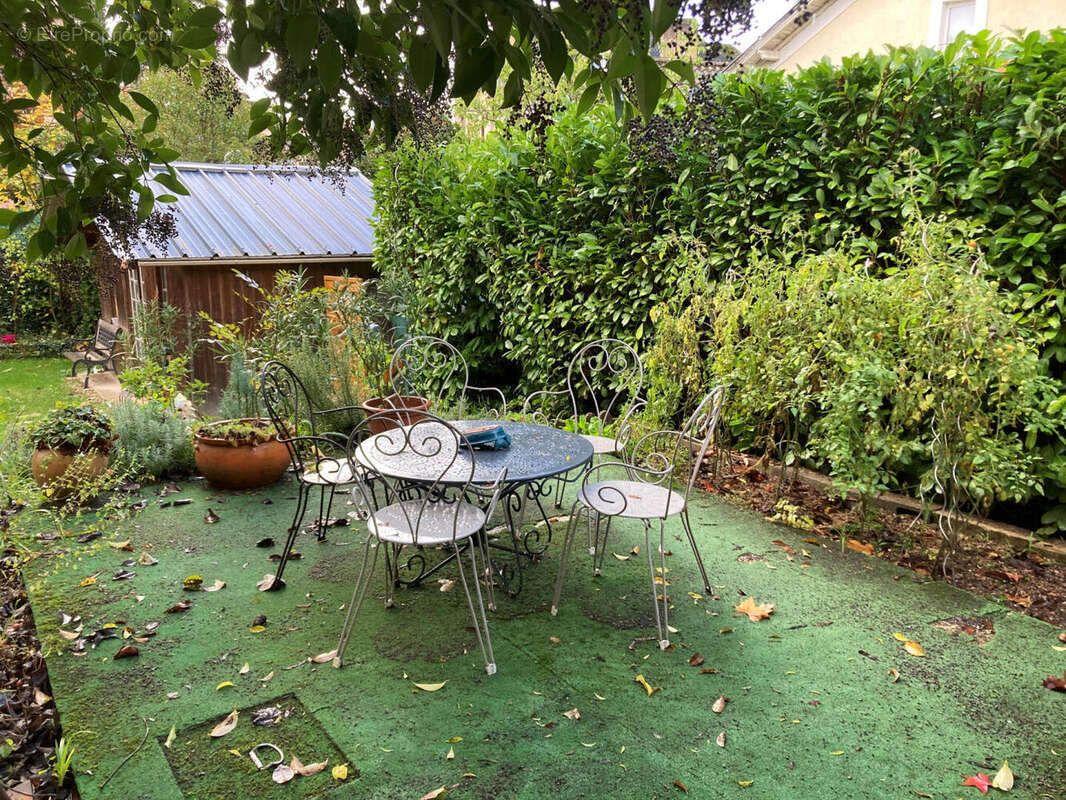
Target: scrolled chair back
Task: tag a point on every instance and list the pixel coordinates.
(432, 450)
(289, 407)
(605, 374)
(431, 367)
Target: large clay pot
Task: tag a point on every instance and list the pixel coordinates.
(227, 465)
(400, 410)
(66, 473)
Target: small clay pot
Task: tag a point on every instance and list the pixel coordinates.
(66, 473)
(227, 465)
(395, 411)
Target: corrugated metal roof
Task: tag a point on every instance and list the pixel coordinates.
(238, 211)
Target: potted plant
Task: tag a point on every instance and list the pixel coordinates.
(240, 453)
(72, 444)
(371, 318)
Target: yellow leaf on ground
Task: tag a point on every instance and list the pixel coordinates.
(755, 611)
(88, 581)
(170, 738)
(226, 725)
(434, 794)
(454, 739)
(223, 685)
(866, 548)
(340, 772)
(913, 648)
(430, 687)
(647, 686)
(236, 752)
(1004, 779)
(257, 628)
(120, 545)
(899, 637)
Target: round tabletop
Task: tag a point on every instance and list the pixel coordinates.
(536, 452)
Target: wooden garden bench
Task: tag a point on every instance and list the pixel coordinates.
(101, 353)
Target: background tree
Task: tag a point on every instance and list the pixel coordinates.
(204, 116)
(346, 73)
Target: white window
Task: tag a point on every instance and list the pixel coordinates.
(949, 18)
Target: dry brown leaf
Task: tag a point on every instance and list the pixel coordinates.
(127, 651)
(755, 611)
(894, 674)
(215, 586)
(866, 548)
(719, 705)
(309, 769)
(268, 677)
(226, 725)
(282, 773)
(244, 670)
(720, 741)
(696, 660)
(40, 698)
(434, 794)
(324, 658)
(573, 713)
(265, 584)
(451, 754)
(120, 545)
(69, 635)
(681, 786)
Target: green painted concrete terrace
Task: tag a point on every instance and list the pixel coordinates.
(812, 711)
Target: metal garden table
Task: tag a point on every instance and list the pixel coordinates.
(537, 455)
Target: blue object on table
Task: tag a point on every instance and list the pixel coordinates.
(488, 437)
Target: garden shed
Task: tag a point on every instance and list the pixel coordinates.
(255, 220)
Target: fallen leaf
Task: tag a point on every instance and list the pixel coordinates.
(894, 674)
(40, 698)
(681, 786)
(265, 542)
(899, 637)
(340, 772)
(1004, 779)
(282, 773)
(866, 548)
(257, 628)
(69, 635)
(720, 741)
(451, 754)
(215, 586)
(120, 545)
(913, 648)
(755, 611)
(210, 517)
(307, 770)
(223, 685)
(647, 686)
(434, 794)
(170, 737)
(265, 584)
(573, 713)
(226, 725)
(184, 605)
(88, 581)
(696, 660)
(236, 752)
(268, 677)
(147, 560)
(430, 687)
(454, 740)
(598, 696)
(635, 551)
(554, 639)
(745, 784)
(980, 780)
(173, 695)
(1055, 684)
(719, 705)
(620, 558)
(127, 651)
(447, 585)
(244, 670)
(323, 658)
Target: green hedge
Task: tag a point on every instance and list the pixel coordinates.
(522, 248)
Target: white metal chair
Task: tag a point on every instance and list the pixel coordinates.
(648, 494)
(433, 513)
(434, 368)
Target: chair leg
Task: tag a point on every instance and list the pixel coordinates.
(600, 550)
(358, 595)
(662, 622)
(294, 529)
(480, 619)
(695, 551)
(323, 521)
(488, 572)
(568, 541)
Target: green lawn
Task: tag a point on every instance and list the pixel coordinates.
(32, 386)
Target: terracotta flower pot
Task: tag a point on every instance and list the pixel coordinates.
(66, 473)
(398, 410)
(240, 465)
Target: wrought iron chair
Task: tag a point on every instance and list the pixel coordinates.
(433, 513)
(318, 458)
(607, 375)
(436, 369)
(647, 494)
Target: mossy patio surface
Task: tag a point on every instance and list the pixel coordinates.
(812, 710)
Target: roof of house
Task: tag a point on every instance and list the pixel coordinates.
(235, 212)
(800, 18)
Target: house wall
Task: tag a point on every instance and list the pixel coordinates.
(862, 25)
(213, 289)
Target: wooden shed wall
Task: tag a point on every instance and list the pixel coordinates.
(212, 289)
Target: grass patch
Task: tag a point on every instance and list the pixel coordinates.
(32, 386)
